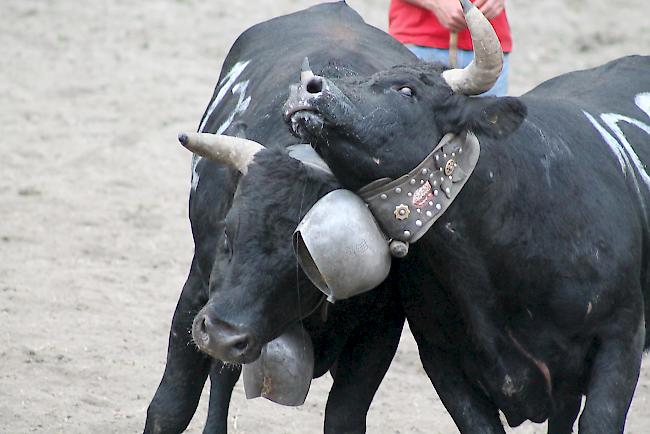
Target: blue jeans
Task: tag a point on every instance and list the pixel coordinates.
(429, 54)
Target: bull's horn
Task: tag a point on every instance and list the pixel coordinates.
(481, 74)
(233, 151)
(305, 72)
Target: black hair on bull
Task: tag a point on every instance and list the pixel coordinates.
(280, 179)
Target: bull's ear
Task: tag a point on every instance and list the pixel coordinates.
(492, 116)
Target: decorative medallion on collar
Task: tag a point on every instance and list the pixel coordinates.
(407, 207)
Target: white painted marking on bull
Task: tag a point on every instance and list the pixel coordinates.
(226, 83)
(621, 147)
(642, 100)
(610, 140)
(612, 120)
(557, 149)
(195, 175)
(242, 105)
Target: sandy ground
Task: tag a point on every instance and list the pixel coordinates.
(94, 236)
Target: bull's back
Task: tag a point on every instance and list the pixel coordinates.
(604, 87)
(615, 97)
(602, 116)
(586, 141)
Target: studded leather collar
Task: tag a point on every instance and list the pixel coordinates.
(407, 207)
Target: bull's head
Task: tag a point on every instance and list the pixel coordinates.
(384, 125)
(261, 291)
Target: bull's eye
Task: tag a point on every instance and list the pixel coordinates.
(406, 91)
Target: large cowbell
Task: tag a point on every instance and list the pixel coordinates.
(284, 370)
(340, 246)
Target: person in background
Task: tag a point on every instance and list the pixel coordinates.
(424, 26)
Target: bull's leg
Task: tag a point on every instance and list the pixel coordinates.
(467, 406)
(186, 370)
(614, 373)
(360, 368)
(561, 422)
(433, 318)
(222, 381)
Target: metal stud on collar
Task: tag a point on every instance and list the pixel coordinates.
(402, 212)
(449, 167)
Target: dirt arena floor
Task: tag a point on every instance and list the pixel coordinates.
(94, 236)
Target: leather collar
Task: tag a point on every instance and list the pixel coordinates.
(407, 207)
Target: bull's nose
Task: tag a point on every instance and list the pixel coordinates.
(314, 85)
(221, 340)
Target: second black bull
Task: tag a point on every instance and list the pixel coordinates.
(542, 257)
(545, 249)
(247, 102)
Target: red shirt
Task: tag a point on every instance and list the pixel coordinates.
(412, 24)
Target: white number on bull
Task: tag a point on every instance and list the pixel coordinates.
(619, 144)
(229, 82)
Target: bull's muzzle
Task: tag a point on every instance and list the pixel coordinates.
(221, 340)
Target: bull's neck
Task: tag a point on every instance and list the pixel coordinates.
(491, 185)
(344, 162)
(464, 238)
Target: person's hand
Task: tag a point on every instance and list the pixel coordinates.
(449, 13)
(490, 8)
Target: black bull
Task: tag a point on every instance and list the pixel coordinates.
(247, 102)
(549, 341)
(544, 252)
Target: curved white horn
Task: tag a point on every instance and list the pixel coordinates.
(481, 74)
(233, 151)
